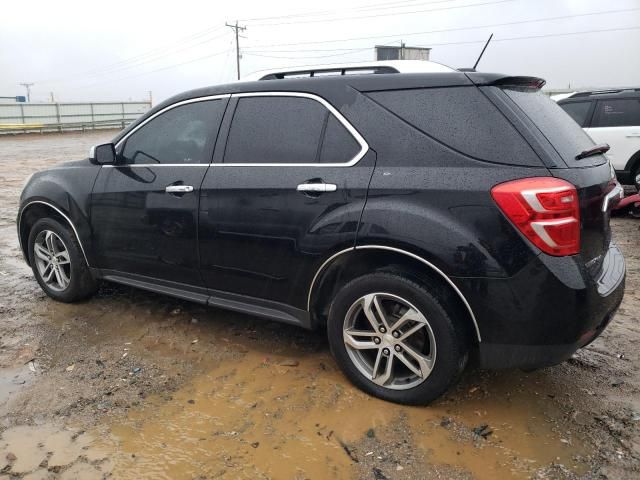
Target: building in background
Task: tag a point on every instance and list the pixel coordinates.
(392, 52)
(15, 99)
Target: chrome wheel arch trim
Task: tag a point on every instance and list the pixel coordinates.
(444, 276)
(73, 227)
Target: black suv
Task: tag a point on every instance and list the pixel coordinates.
(424, 220)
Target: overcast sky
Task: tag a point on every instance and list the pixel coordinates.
(120, 50)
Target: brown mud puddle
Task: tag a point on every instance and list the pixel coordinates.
(269, 417)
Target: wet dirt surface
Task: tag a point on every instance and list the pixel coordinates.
(132, 384)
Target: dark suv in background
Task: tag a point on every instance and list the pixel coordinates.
(423, 219)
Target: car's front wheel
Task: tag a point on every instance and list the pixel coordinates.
(395, 339)
(58, 263)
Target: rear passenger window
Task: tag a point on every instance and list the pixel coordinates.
(623, 112)
(463, 119)
(338, 146)
(578, 111)
(275, 130)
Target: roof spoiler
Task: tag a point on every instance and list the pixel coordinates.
(501, 80)
(534, 83)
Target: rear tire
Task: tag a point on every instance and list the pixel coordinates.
(58, 263)
(395, 339)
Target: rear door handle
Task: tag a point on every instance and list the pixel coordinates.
(179, 189)
(317, 187)
(634, 134)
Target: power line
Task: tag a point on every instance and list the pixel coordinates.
(156, 52)
(360, 17)
(493, 25)
(156, 70)
(465, 42)
(373, 6)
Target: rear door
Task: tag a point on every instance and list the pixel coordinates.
(288, 187)
(617, 122)
(144, 209)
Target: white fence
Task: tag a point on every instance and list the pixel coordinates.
(30, 117)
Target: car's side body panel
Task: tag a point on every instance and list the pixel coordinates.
(67, 189)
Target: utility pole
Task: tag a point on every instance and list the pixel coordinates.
(150, 98)
(237, 28)
(28, 87)
(52, 97)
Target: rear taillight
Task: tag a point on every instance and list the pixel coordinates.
(545, 209)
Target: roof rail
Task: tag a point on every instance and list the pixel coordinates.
(603, 92)
(375, 67)
(315, 72)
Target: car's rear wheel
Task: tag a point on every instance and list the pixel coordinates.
(395, 339)
(58, 263)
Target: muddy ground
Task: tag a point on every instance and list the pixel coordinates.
(135, 385)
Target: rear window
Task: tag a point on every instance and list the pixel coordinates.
(463, 119)
(623, 112)
(565, 135)
(577, 110)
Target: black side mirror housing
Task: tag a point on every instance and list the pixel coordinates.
(104, 154)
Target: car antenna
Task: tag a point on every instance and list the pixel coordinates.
(482, 52)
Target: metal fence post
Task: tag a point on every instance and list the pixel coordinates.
(58, 117)
(123, 119)
(93, 120)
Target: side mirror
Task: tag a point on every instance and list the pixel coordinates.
(104, 154)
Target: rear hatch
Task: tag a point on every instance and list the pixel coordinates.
(566, 150)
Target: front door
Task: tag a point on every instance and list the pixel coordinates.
(290, 188)
(144, 209)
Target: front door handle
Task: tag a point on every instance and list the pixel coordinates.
(179, 189)
(317, 187)
(633, 134)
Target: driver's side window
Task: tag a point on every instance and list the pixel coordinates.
(179, 135)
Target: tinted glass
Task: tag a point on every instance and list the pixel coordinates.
(560, 130)
(275, 130)
(338, 146)
(463, 119)
(578, 111)
(179, 135)
(624, 112)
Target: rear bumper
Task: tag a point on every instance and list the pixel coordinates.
(542, 315)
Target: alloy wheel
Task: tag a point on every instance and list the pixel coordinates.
(53, 260)
(389, 341)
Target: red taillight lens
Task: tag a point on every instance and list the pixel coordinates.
(545, 209)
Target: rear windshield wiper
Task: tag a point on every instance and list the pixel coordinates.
(595, 150)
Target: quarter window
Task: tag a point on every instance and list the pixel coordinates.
(180, 135)
(338, 146)
(578, 111)
(623, 112)
(273, 129)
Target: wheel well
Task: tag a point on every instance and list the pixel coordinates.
(356, 263)
(633, 166)
(30, 215)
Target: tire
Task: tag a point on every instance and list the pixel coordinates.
(79, 283)
(442, 343)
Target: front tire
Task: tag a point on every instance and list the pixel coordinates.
(58, 263)
(395, 339)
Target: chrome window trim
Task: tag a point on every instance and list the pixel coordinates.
(364, 146)
(62, 214)
(165, 109)
(404, 252)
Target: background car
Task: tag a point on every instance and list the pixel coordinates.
(612, 117)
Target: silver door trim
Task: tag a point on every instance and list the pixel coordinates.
(160, 112)
(364, 146)
(404, 252)
(62, 214)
